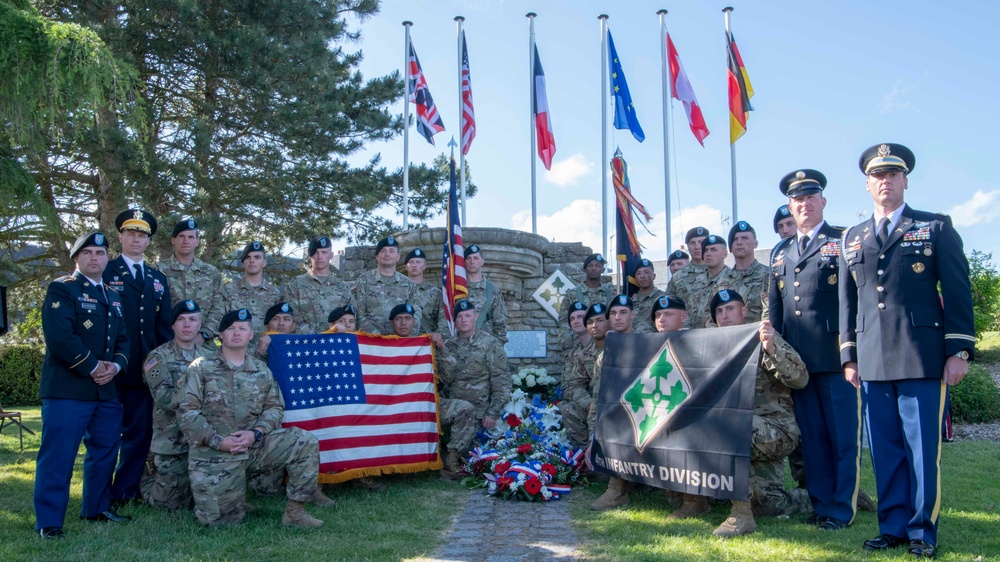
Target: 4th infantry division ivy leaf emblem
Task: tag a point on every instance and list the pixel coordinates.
(655, 395)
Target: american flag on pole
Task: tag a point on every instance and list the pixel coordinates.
(453, 282)
(468, 111)
(429, 122)
(370, 400)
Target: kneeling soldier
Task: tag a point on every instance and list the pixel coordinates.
(230, 409)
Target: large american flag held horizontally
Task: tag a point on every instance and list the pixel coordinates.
(370, 400)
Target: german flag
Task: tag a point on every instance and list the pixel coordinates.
(740, 91)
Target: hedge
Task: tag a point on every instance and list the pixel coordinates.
(976, 399)
(20, 371)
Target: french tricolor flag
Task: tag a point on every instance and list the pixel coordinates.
(543, 122)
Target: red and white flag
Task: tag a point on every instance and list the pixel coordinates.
(429, 122)
(370, 400)
(543, 122)
(468, 111)
(681, 89)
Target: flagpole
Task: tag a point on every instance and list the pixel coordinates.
(732, 145)
(461, 112)
(666, 119)
(406, 125)
(531, 101)
(604, 133)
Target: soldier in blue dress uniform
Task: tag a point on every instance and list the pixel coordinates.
(145, 299)
(86, 349)
(903, 343)
(804, 308)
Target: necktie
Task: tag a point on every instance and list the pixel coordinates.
(138, 272)
(883, 231)
(803, 242)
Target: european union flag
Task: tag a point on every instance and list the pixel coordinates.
(625, 117)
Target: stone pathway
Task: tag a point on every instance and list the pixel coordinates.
(491, 530)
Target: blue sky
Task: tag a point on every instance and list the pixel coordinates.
(830, 79)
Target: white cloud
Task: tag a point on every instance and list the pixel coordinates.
(895, 100)
(566, 172)
(655, 248)
(980, 209)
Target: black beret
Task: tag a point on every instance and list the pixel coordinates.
(575, 307)
(596, 309)
(387, 241)
(473, 249)
(463, 305)
(136, 219)
(643, 263)
(722, 297)
(414, 253)
(620, 300)
(254, 246)
(677, 255)
(781, 214)
(280, 308)
(405, 308)
(183, 307)
(594, 257)
(87, 240)
(340, 311)
(887, 157)
(713, 240)
(317, 243)
(241, 315)
(180, 227)
(741, 226)
(667, 302)
(695, 232)
(802, 182)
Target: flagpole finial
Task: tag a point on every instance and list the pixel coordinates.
(618, 152)
(602, 17)
(727, 9)
(661, 12)
(452, 144)
(407, 23)
(459, 18)
(530, 15)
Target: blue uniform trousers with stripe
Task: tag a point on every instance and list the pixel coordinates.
(904, 428)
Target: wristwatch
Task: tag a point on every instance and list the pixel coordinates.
(964, 355)
(257, 434)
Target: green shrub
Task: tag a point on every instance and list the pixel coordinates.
(20, 371)
(976, 399)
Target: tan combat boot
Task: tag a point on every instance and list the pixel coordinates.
(692, 506)
(320, 499)
(615, 496)
(295, 514)
(740, 522)
(452, 466)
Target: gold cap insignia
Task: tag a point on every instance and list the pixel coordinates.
(883, 150)
(800, 175)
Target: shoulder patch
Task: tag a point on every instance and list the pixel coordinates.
(149, 364)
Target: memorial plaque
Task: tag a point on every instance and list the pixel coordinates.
(526, 344)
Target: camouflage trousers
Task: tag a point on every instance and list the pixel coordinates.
(460, 416)
(267, 484)
(574, 418)
(219, 483)
(773, 440)
(165, 483)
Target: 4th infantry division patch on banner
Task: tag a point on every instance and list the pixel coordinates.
(675, 410)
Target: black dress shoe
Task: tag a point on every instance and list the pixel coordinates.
(109, 516)
(51, 533)
(922, 549)
(884, 542)
(833, 524)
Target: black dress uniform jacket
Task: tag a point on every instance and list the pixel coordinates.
(147, 313)
(81, 327)
(891, 317)
(803, 304)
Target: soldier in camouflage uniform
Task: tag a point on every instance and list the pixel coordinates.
(192, 279)
(473, 381)
(591, 290)
(693, 240)
(230, 410)
(166, 485)
(578, 372)
(317, 291)
(429, 297)
(485, 296)
(784, 222)
(378, 291)
(341, 320)
(279, 319)
(677, 261)
(254, 291)
(695, 285)
(775, 433)
(748, 274)
(645, 297)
